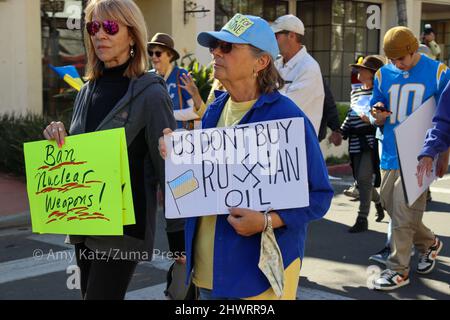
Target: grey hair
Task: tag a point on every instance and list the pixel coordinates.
(269, 79)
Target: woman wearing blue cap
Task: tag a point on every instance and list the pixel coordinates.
(224, 251)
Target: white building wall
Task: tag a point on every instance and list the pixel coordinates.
(185, 35)
(414, 15)
(20, 57)
(168, 16)
(204, 24)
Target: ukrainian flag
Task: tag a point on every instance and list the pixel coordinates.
(70, 75)
(183, 184)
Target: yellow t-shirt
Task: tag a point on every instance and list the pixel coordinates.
(232, 113)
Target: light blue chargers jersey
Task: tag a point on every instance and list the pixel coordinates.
(402, 92)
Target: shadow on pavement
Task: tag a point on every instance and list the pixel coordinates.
(438, 206)
(340, 246)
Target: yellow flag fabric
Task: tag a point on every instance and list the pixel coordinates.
(75, 83)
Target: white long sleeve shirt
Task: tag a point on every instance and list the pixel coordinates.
(304, 84)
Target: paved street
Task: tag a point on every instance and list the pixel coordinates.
(337, 261)
(335, 265)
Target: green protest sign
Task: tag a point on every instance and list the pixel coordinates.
(81, 189)
(127, 197)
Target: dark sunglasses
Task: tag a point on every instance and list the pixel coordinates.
(109, 26)
(225, 47)
(157, 53)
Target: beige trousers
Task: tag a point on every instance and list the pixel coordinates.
(407, 225)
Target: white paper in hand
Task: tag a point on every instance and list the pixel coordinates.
(409, 137)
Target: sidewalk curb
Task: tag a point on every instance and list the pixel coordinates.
(15, 220)
(340, 169)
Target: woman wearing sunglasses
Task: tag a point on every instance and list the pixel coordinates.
(120, 93)
(187, 102)
(224, 250)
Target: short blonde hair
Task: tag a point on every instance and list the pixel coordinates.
(127, 13)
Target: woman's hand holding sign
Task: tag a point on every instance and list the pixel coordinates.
(247, 222)
(162, 144)
(55, 131)
(425, 165)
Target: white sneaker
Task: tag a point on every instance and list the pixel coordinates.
(390, 280)
(427, 261)
(352, 191)
(381, 256)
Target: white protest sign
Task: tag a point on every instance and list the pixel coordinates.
(256, 166)
(409, 137)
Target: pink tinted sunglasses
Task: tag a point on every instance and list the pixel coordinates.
(109, 26)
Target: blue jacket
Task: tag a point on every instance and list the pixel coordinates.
(235, 270)
(438, 138)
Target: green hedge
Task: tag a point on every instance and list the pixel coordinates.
(202, 75)
(342, 108)
(333, 160)
(14, 131)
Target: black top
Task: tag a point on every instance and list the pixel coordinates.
(330, 116)
(109, 89)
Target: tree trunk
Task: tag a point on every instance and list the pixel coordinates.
(402, 14)
(83, 7)
(52, 54)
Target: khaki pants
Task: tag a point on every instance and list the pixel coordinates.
(407, 226)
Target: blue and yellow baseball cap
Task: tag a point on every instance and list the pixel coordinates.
(244, 29)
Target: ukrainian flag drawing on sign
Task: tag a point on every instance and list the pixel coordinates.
(183, 185)
(70, 75)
